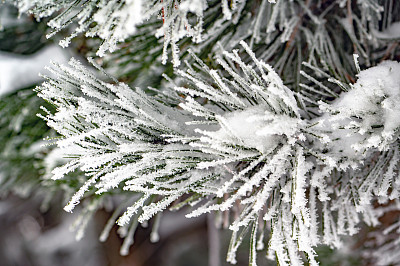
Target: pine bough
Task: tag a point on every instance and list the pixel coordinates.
(304, 162)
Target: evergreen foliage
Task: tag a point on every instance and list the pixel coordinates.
(280, 116)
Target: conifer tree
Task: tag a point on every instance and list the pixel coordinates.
(282, 117)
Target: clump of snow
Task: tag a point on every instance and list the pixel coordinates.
(194, 6)
(368, 116)
(258, 128)
(17, 71)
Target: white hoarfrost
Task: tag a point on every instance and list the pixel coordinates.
(237, 144)
(232, 139)
(114, 21)
(116, 25)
